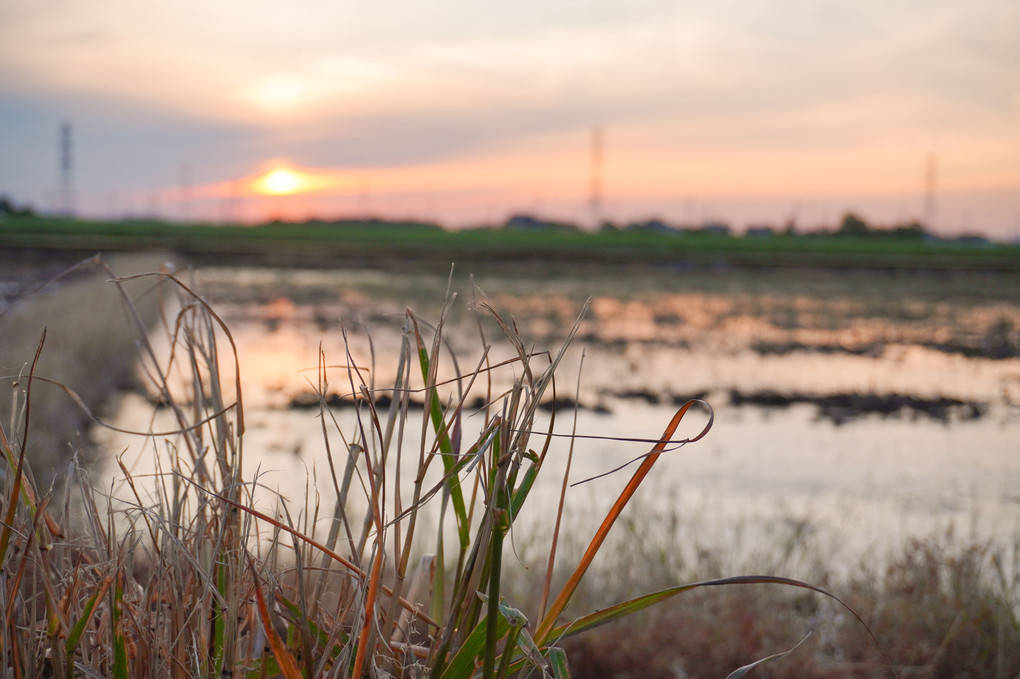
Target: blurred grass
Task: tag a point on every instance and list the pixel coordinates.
(940, 608)
(90, 348)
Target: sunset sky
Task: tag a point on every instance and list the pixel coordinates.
(465, 112)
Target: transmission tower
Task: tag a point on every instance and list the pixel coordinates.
(929, 191)
(66, 171)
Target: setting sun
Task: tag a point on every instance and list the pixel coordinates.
(279, 182)
(281, 189)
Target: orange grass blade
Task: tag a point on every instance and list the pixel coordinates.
(542, 634)
(288, 665)
(373, 591)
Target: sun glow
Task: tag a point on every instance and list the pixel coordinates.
(280, 182)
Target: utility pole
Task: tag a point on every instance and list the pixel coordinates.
(66, 171)
(185, 192)
(596, 177)
(363, 208)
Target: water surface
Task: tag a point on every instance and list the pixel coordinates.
(869, 408)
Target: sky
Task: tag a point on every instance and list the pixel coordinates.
(463, 112)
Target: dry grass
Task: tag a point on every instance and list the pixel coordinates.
(939, 609)
(180, 575)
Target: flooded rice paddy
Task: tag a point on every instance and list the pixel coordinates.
(866, 408)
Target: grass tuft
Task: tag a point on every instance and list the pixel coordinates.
(188, 573)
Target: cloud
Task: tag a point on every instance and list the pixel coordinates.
(788, 89)
(286, 64)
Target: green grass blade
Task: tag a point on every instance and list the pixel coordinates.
(508, 653)
(526, 643)
(86, 616)
(626, 608)
(499, 526)
(527, 483)
(120, 661)
(615, 612)
(465, 661)
(219, 649)
(558, 660)
(439, 583)
(320, 635)
(445, 444)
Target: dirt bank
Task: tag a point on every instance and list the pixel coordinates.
(89, 348)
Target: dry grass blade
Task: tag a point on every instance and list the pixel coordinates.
(19, 468)
(740, 672)
(551, 564)
(346, 563)
(212, 314)
(542, 635)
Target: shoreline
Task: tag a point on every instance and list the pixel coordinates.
(396, 245)
(89, 349)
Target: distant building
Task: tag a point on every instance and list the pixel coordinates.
(973, 240)
(716, 229)
(522, 222)
(759, 232)
(653, 226)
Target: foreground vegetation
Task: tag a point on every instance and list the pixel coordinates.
(189, 574)
(939, 607)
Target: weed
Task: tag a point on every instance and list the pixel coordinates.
(195, 577)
